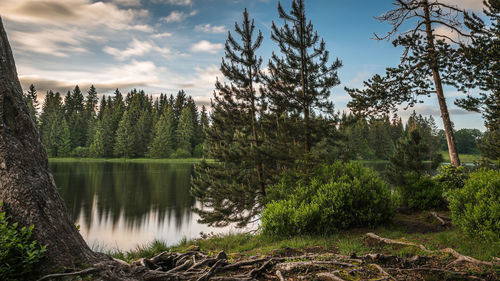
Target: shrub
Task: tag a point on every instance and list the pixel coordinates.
(421, 192)
(451, 177)
(338, 196)
(476, 207)
(198, 150)
(80, 152)
(18, 254)
(180, 153)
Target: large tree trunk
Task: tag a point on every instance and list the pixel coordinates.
(27, 188)
(445, 115)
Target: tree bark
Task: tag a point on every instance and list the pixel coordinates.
(445, 115)
(27, 188)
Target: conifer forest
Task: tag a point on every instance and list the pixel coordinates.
(284, 172)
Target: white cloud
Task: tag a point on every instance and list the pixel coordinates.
(476, 5)
(129, 3)
(161, 35)
(178, 16)
(206, 46)
(124, 76)
(180, 2)
(136, 48)
(208, 28)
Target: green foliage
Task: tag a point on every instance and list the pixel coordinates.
(180, 153)
(338, 196)
(18, 253)
(96, 149)
(163, 142)
(421, 192)
(451, 177)
(80, 152)
(475, 208)
(185, 131)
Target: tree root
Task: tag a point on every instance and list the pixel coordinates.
(440, 219)
(59, 275)
(372, 238)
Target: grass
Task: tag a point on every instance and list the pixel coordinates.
(464, 158)
(126, 160)
(344, 242)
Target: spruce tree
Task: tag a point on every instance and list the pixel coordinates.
(163, 143)
(231, 189)
(425, 63)
(299, 83)
(32, 101)
(63, 138)
(97, 147)
(76, 118)
(125, 138)
(185, 131)
(478, 67)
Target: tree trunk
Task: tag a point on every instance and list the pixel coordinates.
(27, 188)
(445, 115)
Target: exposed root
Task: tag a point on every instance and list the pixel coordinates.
(76, 273)
(461, 258)
(440, 219)
(372, 238)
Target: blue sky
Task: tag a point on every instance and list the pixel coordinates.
(168, 45)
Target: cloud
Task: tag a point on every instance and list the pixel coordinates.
(175, 2)
(128, 3)
(124, 76)
(178, 16)
(208, 28)
(206, 46)
(161, 35)
(81, 13)
(63, 28)
(476, 5)
(136, 48)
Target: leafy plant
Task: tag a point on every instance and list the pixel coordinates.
(421, 192)
(18, 253)
(451, 177)
(339, 196)
(476, 207)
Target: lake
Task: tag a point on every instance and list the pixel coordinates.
(121, 205)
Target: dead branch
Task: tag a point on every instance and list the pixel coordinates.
(58, 275)
(443, 223)
(370, 237)
(326, 276)
(280, 276)
(463, 258)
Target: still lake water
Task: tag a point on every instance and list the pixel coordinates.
(122, 205)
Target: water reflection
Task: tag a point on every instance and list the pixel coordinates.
(121, 205)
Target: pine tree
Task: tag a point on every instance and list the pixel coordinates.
(426, 58)
(75, 115)
(163, 143)
(90, 114)
(63, 138)
(299, 83)
(97, 148)
(125, 138)
(230, 188)
(49, 121)
(32, 101)
(185, 131)
(478, 67)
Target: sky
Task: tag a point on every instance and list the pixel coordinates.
(163, 46)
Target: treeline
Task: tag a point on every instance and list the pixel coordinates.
(136, 125)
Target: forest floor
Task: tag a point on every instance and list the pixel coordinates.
(415, 246)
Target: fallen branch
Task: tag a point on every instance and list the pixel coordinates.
(290, 266)
(463, 258)
(381, 240)
(58, 275)
(325, 276)
(443, 223)
(280, 276)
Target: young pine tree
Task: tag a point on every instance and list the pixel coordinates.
(185, 131)
(32, 101)
(125, 138)
(231, 188)
(299, 83)
(163, 142)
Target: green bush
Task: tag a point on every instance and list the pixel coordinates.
(180, 153)
(451, 177)
(476, 207)
(421, 192)
(80, 152)
(18, 254)
(338, 196)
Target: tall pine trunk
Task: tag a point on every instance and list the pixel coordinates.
(445, 115)
(27, 188)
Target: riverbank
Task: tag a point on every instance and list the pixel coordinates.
(417, 227)
(127, 160)
(415, 246)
